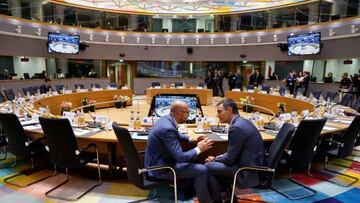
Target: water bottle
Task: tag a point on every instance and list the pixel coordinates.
(205, 123)
(137, 123)
(131, 121)
(199, 124)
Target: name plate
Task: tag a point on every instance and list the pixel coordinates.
(305, 112)
(101, 118)
(285, 116)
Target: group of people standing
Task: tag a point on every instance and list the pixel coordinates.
(298, 82)
(214, 80)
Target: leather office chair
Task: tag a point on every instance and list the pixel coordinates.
(96, 85)
(59, 88)
(113, 85)
(179, 84)
(346, 99)
(356, 105)
(3, 143)
(330, 95)
(9, 93)
(265, 88)
(282, 91)
(26, 90)
(316, 94)
(155, 84)
(2, 98)
(250, 87)
(341, 148)
(276, 150)
(301, 151)
(64, 152)
(135, 167)
(19, 144)
(34, 89)
(81, 86)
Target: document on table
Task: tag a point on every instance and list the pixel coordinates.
(342, 121)
(84, 132)
(33, 127)
(138, 136)
(28, 122)
(328, 128)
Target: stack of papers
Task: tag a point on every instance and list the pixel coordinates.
(84, 132)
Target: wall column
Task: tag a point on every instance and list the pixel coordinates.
(339, 7)
(36, 10)
(234, 22)
(15, 8)
(59, 14)
(133, 22)
(313, 13)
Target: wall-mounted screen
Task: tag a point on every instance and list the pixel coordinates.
(160, 105)
(304, 44)
(63, 43)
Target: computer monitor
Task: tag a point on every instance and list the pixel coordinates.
(160, 105)
(304, 44)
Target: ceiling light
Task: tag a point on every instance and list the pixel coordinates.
(138, 40)
(38, 32)
(182, 40)
(197, 40)
(122, 39)
(354, 29)
(331, 32)
(167, 40)
(106, 38)
(242, 40)
(276, 38)
(259, 39)
(18, 29)
(227, 40)
(91, 37)
(153, 40)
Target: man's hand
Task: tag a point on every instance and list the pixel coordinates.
(205, 144)
(198, 139)
(210, 159)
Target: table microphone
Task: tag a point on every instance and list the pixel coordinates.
(218, 128)
(93, 124)
(271, 126)
(46, 107)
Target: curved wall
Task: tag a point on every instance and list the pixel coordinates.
(340, 39)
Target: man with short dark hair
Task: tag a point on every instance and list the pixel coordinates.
(163, 148)
(245, 148)
(46, 87)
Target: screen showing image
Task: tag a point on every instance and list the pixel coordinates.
(163, 103)
(63, 43)
(304, 44)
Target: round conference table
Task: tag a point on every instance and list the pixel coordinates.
(107, 141)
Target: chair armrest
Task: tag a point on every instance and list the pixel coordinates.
(156, 168)
(335, 142)
(33, 141)
(87, 147)
(141, 152)
(256, 168)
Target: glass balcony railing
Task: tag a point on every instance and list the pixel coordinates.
(309, 12)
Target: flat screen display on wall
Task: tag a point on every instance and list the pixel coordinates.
(63, 43)
(304, 44)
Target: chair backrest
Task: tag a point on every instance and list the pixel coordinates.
(81, 86)
(277, 148)
(59, 88)
(282, 90)
(133, 162)
(9, 93)
(2, 98)
(356, 105)
(179, 84)
(250, 87)
(61, 142)
(201, 84)
(346, 99)
(349, 138)
(155, 84)
(303, 142)
(26, 90)
(266, 88)
(15, 134)
(34, 89)
(330, 95)
(112, 84)
(96, 85)
(26, 76)
(316, 94)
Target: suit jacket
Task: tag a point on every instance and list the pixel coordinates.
(163, 146)
(45, 89)
(245, 148)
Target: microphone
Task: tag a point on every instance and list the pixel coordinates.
(271, 126)
(46, 107)
(93, 124)
(218, 128)
(316, 107)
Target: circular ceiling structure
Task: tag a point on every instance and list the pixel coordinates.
(180, 6)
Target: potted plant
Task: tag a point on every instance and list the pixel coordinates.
(247, 100)
(65, 106)
(282, 107)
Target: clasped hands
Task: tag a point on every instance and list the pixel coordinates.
(203, 143)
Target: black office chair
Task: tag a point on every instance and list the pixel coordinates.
(201, 84)
(26, 90)
(301, 151)
(135, 167)
(59, 88)
(2, 98)
(96, 85)
(250, 87)
(26, 76)
(64, 152)
(266, 88)
(155, 84)
(113, 85)
(282, 91)
(9, 93)
(3, 143)
(179, 84)
(330, 95)
(341, 148)
(34, 89)
(356, 105)
(345, 99)
(316, 94)
(19, 144)
(276, 150)
(81, 86)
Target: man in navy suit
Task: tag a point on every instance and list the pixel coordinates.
(163, 148)
(245, 148)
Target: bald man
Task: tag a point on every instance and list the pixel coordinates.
(163, 148)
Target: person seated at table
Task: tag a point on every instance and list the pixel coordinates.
(46, 87)
(163, 148)
(345, 82)
(245, 148)
(329, 78)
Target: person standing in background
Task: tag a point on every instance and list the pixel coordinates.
(239, 79)
(231, 80)
(290, 81)
(219, 84)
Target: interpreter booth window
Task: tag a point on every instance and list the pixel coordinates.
(169, 69)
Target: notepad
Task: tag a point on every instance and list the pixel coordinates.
(136, 136)
(32, 127)
(29, 122)
(328, 128)
(84, 132)
(342, 121)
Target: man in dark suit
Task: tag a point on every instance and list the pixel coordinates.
(291, 81)
(46, 87)
(245, 148)
(163, 148)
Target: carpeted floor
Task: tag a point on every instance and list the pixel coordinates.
(119, 190)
